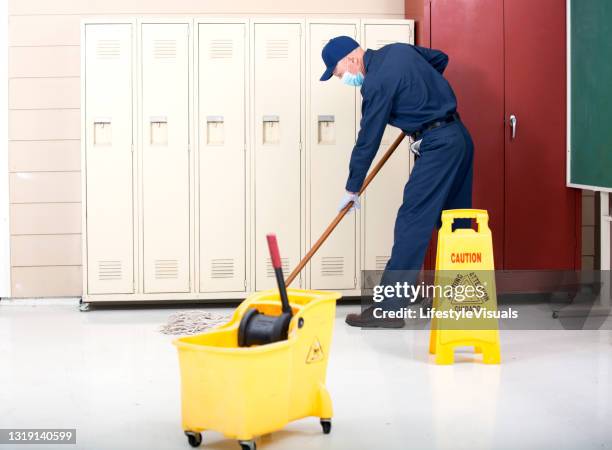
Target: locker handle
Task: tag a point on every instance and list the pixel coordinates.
(326, 129)
(159, 119)
(271, 129)
(102, 120)
(102, 131)
(215, 133)
(159, 130)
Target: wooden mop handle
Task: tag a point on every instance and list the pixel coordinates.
(344, 210)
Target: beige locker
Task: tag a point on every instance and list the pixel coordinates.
(384, 196)
(221, 66)
(109, 158)
(331, 136)
(164, 135)
(277, 59)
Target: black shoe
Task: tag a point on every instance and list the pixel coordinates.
(366, 319)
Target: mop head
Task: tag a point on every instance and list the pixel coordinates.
(192, 322)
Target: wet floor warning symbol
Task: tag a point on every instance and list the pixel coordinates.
(315, 353)
(473, 290)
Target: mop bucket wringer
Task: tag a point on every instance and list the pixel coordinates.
(244, 392)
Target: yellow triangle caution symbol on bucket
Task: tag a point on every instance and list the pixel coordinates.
(315, 353)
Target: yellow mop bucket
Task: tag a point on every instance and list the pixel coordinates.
(244, 392)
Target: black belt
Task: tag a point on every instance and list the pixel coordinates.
(432, 125)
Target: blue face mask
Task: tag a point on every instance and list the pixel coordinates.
(351, 79)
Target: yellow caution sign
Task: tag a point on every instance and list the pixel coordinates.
(315, 353)
(465, 302)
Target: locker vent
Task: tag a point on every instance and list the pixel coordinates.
(108, 49)
(166, 269)
(277, 48)
(381, 262)
(382, 42)
(109, 270)
(332, 266)
(222, 268)
(164, 49)
(221, 49)
(270, 269)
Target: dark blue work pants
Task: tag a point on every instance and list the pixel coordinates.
(441, 179)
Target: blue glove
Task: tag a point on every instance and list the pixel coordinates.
(350, 197)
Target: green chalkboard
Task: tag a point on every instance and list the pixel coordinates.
(590, 107)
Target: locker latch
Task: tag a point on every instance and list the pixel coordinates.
(159, 130)
(326, 129)
(102, 134)
(215, 133)
(271, 129)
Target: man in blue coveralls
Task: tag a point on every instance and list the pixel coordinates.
(402, 85)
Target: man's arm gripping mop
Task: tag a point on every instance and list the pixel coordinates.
(344, 210)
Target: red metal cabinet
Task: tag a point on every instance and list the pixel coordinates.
(509, 58)
(540, 224)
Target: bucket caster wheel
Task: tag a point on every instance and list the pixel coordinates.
(194, 438)
(248, 445)
(326, 425)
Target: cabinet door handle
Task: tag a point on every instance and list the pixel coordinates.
(513, 124)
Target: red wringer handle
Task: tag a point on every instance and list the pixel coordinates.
(278, 270)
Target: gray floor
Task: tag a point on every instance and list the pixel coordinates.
(115, 378)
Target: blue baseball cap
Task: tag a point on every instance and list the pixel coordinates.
(336, 49)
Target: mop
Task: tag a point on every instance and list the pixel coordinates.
(190, 322)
